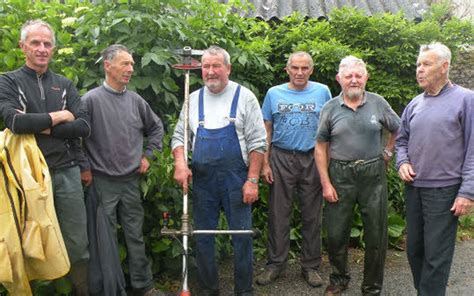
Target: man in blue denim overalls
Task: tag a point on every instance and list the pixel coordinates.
(228, 141)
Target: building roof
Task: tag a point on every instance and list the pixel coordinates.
(268, 9)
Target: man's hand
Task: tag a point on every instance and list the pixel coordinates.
(86, 178)
(330, 194)
(250, 192)
(267, 173)
(461, 206)
(144, 165)
(183, 176)
(386, 159)
(58, 117)
(406, 172)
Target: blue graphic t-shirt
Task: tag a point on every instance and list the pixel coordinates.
(295, 114)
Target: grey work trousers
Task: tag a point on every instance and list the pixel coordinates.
(294, 172)
(71, 211)
(362, 183)
(431, 237)
(121, 198)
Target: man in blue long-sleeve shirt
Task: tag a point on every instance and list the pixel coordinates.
(435, 157)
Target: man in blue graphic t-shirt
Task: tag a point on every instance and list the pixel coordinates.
(291, 115)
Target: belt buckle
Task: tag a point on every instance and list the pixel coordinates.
(359, 161)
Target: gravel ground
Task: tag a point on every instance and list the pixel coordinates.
(397, 280)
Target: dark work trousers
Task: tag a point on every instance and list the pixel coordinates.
(121, 202)
(71, 211)
(363, 183)
(431, 236)
(294, 173)
(219, 173)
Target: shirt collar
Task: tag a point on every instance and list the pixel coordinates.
(111, 89)
(33, 73)
(340, 98)
(446, 86)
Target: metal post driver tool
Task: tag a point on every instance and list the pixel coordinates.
(189, 63)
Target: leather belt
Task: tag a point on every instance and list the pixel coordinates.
(293, 152)
(357, 162)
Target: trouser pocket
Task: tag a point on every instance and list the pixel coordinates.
(6, 274)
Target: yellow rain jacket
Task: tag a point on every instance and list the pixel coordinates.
(31, 244)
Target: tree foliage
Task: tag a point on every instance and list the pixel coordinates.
(153, 29)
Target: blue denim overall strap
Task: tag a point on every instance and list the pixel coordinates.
(218, 148)
(219, 173)
(233, 108)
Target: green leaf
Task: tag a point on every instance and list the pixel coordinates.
(160, 246)
(156, 86)
(95, 31)
(122, 252)
(144, 187)
(122, 28)
(396, 225)
(243, 59)
(395, 230)
(116, 21)
(159, 60)
(88, 81)
(64, 37)
(10, 61)
(142, 82)
(177, 250)
(293, 234)
(146, 59)
(355, 232)
(63, 286)
(170, 84)
(171, 99)
(163, 208)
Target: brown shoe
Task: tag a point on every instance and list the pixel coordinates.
(312, 278)
(334, 290)
(268, 276)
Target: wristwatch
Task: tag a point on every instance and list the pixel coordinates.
(388, 152)
(253, 180)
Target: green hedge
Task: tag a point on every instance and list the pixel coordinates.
(153, 29)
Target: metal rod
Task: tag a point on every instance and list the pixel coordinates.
(223, 232)
(185, 225)
(172, 232)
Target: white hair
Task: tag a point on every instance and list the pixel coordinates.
(26, 28)
(441, 50)
(216, 50)
(351, 61)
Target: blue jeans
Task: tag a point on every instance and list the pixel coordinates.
(207, 202)
(430, 220)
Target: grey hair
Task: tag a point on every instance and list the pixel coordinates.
(441, 50)
(26, 28)
(110, 52)
(351, 61)
(300, 54)
(216, 50)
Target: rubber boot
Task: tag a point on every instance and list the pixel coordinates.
(78, 277)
